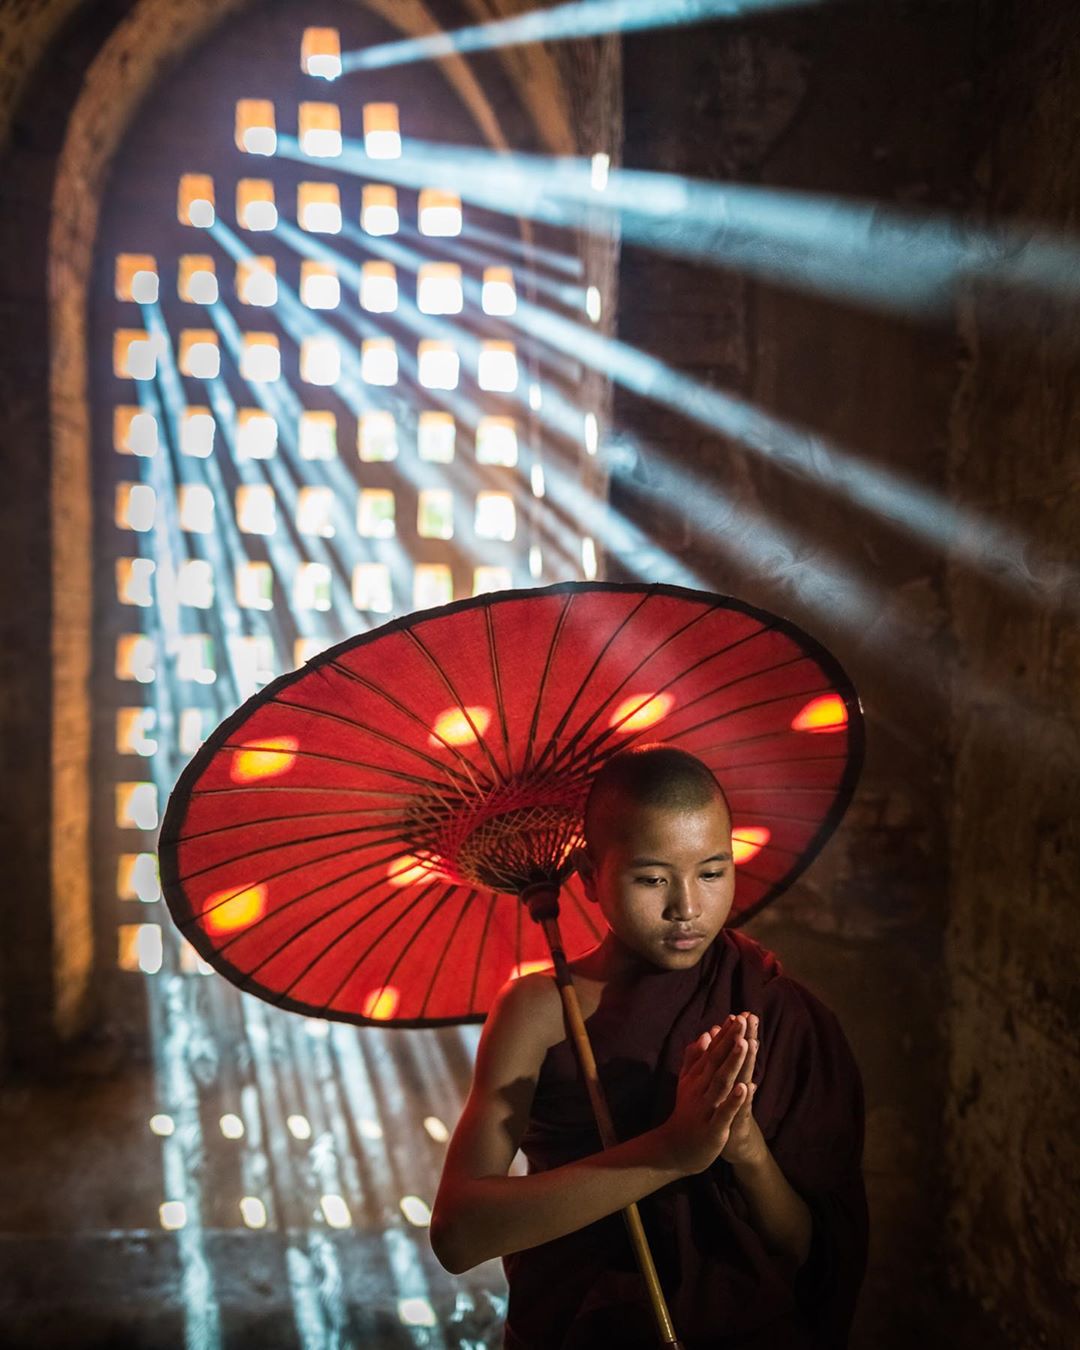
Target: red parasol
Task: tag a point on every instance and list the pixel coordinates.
(355, 841)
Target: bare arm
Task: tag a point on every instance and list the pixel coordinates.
(780, 1215)
(479, 1211)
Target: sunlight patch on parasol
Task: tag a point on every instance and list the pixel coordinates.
(527, 968)
(263, 758)
(825, 713)
(641, 710)
(408, 869)
(748, 841)
(381, 1003)
(453, 727)
(227, 910)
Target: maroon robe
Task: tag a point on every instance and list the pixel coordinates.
(723, 1289)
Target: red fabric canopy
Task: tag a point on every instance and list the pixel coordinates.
(349, 842)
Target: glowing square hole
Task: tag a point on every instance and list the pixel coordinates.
(197, 428)
(195, 583)
(320, 53)
(498, 295)
(135, 432)
(438, 288)
(598, 171)
(133, 728)
(260, 358)
(195, 658)
(255, 206)
(135, 506)
(194, 727)
(592, 433)
(335, 1211)
(435, 434)
(318, 208)
(376, 436)
(439, 212)
(311, 587)
(136, 658)
(495, 517)
(371, 588)
(136, 278)
(252, 662)
(139, 948)
(433, 584)
(435, 513)
(256, 509)
(319, 285)
(536, 561)
(379, 361)
(254, 585)
(496, 441)
(197, 279)
(379, 209)
(588, 558)
(592, 303)
(195, 200)
(498, 370)
(438, 364)
(315, 511)
(536, 480)
(378, 287)
(196, 507)
(252, 1211)
(256, 281)
(134, 581)
(320, 130)
(138, 877)
(375, 516)
(487, 579)
(320, 360)
(135, 354)
(318, 435)
(200, 355)
(256, 434)
(136, 805)
(382, 134)
(255, 126)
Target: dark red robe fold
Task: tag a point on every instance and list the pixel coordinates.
(723, 1289)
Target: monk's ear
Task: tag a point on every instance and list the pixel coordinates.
(585, 869)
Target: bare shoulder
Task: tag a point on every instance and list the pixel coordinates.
(531, 1006)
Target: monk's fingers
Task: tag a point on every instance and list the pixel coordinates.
(724, 1075)
(694, 1053)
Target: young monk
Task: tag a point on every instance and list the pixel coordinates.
(732, 1088)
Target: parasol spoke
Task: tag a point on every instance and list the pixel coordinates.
(710, 693)
(385, 736)
(194, 917)
(406, 911)
(191, 836)
(500, 706)
(560, 624)
(414, 716)
(560, 726)
(480, 950)
(338, 938)
(438, 966)
(278, 846)
(448, 682)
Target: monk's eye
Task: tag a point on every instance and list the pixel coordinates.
(712, 876)
(648, 880)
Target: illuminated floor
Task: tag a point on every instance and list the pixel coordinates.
(329, 1128)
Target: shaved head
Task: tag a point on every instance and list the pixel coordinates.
(656, 775)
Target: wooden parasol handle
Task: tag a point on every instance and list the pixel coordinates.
(543, 902)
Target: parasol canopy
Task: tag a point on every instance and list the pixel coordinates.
(351, 842)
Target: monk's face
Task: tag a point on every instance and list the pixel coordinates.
(664, 880)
